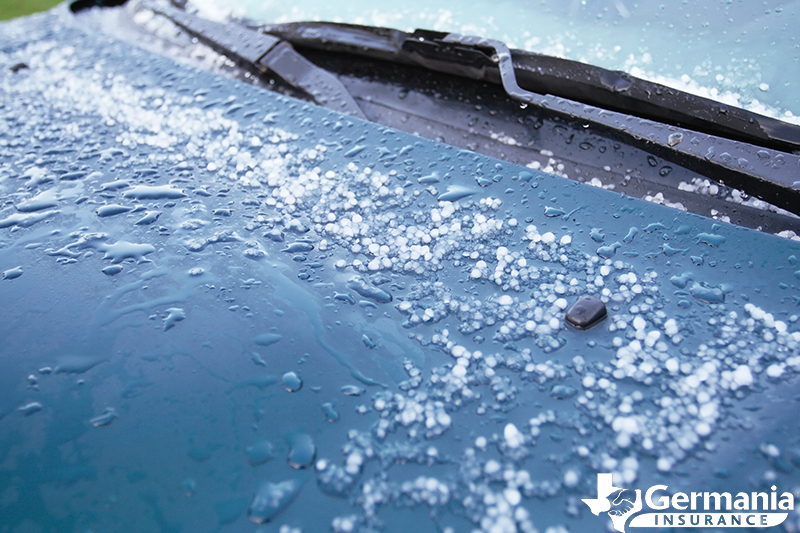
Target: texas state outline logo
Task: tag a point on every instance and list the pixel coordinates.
(629, 508)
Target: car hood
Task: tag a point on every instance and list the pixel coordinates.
(223, 303)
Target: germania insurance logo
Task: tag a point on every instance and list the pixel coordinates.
(626, 507)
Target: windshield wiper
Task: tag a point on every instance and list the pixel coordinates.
(729, 145)
(478, 58)
(262, 53)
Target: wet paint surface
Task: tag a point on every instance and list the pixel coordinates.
(304, 319)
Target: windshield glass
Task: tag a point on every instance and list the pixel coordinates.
(741, 53)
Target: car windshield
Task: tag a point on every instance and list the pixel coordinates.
(742, 53)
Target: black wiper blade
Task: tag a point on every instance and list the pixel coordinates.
(547, 75)
(262, 53)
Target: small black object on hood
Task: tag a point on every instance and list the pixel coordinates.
(586, 312)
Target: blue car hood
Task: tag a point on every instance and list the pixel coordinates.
(224, 307)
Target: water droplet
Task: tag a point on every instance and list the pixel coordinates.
(707, 293)
(368, 342)
(189, 486)
(275, 235)
(344, 297)
(26, 220)
(330, 412)
(148, 218)
(76, 364)
(121, 250)
(39, 202)
(631, 235)
(429, 179)
(174, 315)
(366, 290)
(379, 279)
(260, 452)
(272, 498)
(30, 408)
(112, 209)
(352, 390)
(154, 192)
(13, 273)
(682, 280)
(675, 139)
(302, 451)
(670, 251)
(257, 359)
(291, 382)
(267, 339)
(607, 252)
(655, 226)
(455, 193)
(710, 239)
(104, 419)
(597, 235)
(296, 247)
(115, 185)
(355, 150)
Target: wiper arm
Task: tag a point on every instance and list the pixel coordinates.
(618, 91)
(475, 58)
(262, 53)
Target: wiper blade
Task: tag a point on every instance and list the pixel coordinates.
(546, 75)
(263, 53)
